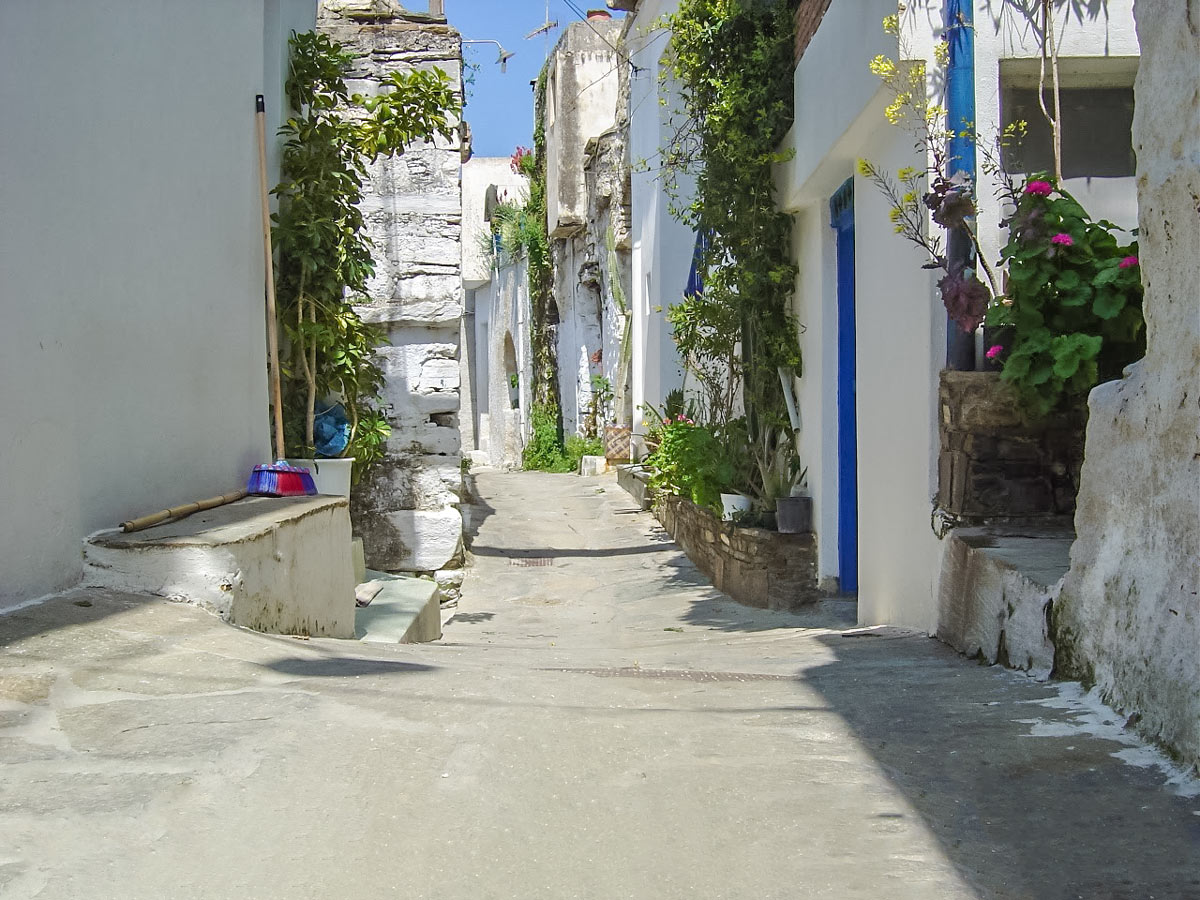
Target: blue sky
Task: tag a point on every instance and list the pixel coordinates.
(500, 106)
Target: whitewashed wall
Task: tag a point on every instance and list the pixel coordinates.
(132, 355)
(1127, 617)
(662, 247)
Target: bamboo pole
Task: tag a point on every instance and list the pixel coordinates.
(260, 115)
(178, 512)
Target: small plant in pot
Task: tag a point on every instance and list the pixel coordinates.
(783, 491)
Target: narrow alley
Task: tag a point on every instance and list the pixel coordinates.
(597, 723)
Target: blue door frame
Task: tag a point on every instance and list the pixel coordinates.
(841, 218)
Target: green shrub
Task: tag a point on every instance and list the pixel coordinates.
(544, 451)
(690, 462)
(578, 447)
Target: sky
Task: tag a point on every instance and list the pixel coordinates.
(500, 106)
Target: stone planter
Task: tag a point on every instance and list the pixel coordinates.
(793, 515)
(754, 566)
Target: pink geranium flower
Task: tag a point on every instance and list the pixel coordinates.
(994, 351)
(1040, 188)
(1062, 239)
(1128, 262)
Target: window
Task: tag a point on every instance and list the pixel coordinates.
(1097, 125)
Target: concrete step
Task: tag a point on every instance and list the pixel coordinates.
(997, 585)
(406, 610)
(280, 565)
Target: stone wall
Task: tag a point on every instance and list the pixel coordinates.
(1128, 616)
(406, 511)
(754, 566)
(993, 464)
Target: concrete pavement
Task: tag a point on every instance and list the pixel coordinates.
(597, 723)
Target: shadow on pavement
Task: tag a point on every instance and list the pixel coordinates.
(1021, 817)
(561, 553)
(80, 607)
(343, 667)
(471, 618)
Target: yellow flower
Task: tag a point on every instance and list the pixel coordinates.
(865, 169)
(883, 68)
(941, 53)
(891, 24)
(907, 173)
(896, 109)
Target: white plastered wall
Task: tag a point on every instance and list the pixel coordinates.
(131, 273)
(662, 247)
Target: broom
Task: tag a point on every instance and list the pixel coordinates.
(277, 479)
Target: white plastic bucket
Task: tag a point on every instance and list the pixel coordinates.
(734, 503)
(331, 476)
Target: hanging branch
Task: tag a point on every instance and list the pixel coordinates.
(1050, 46)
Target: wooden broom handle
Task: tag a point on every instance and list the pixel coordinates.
(260, 115)
(176, 512)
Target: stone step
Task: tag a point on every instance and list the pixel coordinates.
(280, 565)
(406, 610)
(995, 592)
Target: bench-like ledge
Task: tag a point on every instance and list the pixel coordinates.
(278, 565)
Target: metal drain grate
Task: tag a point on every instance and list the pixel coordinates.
(529, 562)
(677, 674)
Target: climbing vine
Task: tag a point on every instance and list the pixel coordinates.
(520, 230)
(731, 63)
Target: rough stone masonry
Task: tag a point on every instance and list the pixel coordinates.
(406, 511)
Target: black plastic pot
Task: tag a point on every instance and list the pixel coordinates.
(793, 515)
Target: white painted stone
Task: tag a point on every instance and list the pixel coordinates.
(591, 466)
(412, 207)
(1128, 615)
(431, 539)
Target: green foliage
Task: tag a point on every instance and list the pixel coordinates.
(544, 450)
(324, 256)
(600, 408)
(732, 60)
(690, 462)
(577, 447)
(1074, 301)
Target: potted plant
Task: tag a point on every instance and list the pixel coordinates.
(783, 482)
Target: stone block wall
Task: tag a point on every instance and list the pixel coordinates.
(406, 510)
(754, 566)
(995, 465)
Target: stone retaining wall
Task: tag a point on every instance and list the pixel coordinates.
(995, 465)
(754, 566)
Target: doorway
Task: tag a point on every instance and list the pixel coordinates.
(841, 218)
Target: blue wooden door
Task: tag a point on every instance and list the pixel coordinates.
(841, 211)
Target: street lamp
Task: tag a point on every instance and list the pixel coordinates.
(505, 56)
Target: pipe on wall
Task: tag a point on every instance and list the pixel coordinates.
(960, 150)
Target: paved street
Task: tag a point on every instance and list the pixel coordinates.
(597, 723)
